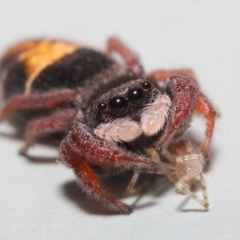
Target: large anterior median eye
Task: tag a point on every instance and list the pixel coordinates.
(136, 96)
(118, 105)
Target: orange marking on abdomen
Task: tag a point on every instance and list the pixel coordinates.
(21, 47)
(41, 55)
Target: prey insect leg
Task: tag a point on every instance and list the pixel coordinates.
(193, 166)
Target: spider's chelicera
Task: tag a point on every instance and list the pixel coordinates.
(116, 112)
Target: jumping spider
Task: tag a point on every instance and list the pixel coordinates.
(116, 112)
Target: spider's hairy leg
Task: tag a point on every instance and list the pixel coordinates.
(99, 151)
(87, 179)
(43, 126)
(184, 92)
(203, 105)
(81, 149)
(205, 108)
(162, 75)
(48, 100)
(130, 57)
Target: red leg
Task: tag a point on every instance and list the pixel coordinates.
(205, 108)
(47, 100)
(186, 100)
(98, 151)
(162, 75)
(88, 181)
(82, 146)
(185, 92)
(131, 58)
(47, 125)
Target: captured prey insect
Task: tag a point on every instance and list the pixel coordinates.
(181, 165)
(113, 112)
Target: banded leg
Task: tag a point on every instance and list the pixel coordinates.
(49, 100)
(47, 125)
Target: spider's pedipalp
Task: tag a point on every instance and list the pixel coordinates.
(155, 115)
(119, 130)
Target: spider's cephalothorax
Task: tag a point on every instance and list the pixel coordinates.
(116, 112)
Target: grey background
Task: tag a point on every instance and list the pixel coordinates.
(40, 201)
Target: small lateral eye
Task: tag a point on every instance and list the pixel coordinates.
(118, 105)
(136, 96)
(102, 107)
(146, 85)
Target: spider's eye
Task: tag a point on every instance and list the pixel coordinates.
(102, 107)
(118, 105)
(146, 85)
(136, 96)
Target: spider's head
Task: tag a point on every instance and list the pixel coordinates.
(134, 110)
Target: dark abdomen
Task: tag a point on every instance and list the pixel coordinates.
(32, 69)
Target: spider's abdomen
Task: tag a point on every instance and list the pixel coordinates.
(41, 65)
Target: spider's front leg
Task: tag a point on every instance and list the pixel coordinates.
(184, 94)
(162, 75)
(186, 99)
(81, 149)
(130, 57)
